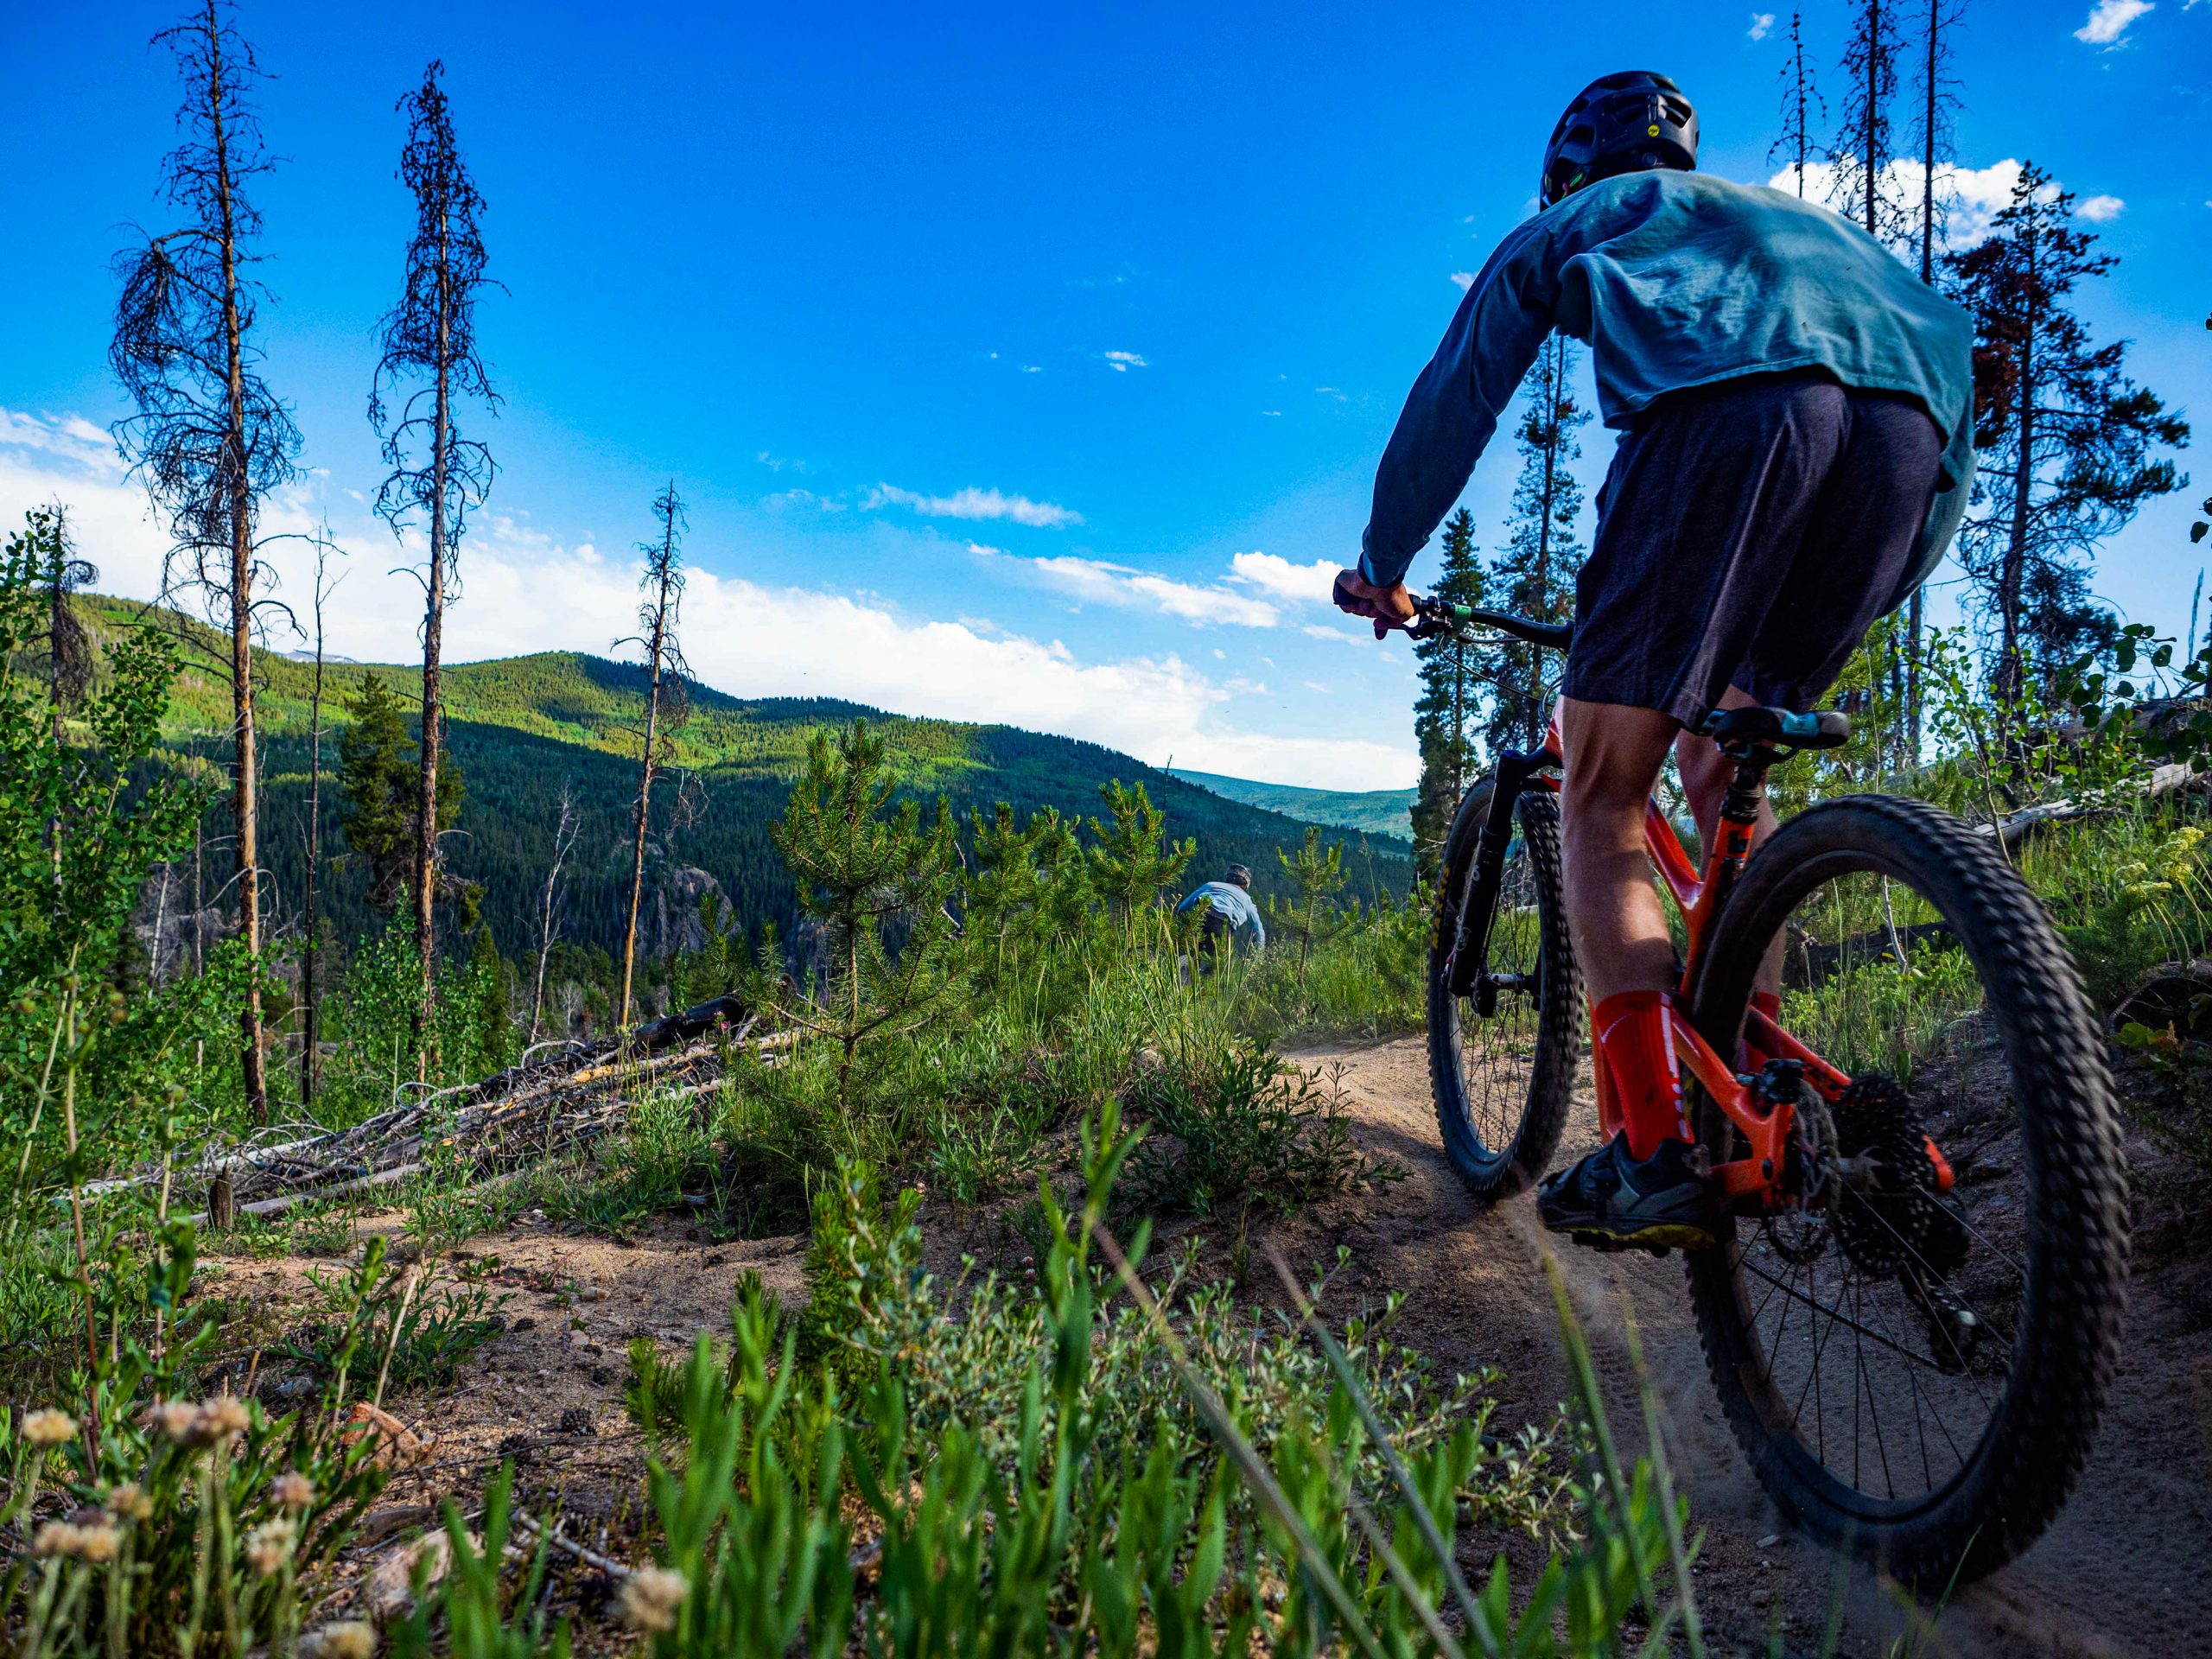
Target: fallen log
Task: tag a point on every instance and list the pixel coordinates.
(2011, 831)
(543, 1107)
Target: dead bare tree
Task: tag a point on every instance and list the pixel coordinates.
(664, 673)
(1866, 147)
(209, 439)
(428, 342)
(311, 951)
(1935, 109)
(548, 906)
(1801, 98)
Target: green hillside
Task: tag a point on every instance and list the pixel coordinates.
(1372, 811)
(520, 727)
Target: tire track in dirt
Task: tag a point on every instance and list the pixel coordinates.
(2122, 1572)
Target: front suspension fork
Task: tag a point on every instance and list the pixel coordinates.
(1472, 926)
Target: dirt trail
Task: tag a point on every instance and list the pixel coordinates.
(2124, 1572)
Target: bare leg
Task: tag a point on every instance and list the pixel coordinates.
(1613, 756)
(1706, 775)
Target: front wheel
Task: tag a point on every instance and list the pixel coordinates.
(1504, 1033)
(1916, 1365)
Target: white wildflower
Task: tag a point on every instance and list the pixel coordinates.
(48, 1427)
(650, 1597)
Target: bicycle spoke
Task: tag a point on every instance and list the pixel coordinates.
(1846, 1320)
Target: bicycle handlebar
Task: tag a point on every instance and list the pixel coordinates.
(1434, 617)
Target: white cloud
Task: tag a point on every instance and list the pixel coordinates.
(1976, 194)
(1464, 279)
(2109, 19)
(526, 591)
(79, 446)
(786, 500)
(1761, 22)
(1123, 362)
(1098, 582)
(2101, 210)
(972, 503)
(1273, 574)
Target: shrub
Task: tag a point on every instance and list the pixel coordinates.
(1237, 1128)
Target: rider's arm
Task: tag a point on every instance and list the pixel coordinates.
(1453, 411)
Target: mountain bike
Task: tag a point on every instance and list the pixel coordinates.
(1913, 1314)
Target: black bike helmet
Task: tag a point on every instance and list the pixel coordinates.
(1238, 875)
(1619, 123)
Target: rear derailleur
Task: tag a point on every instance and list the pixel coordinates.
(1859, 1175)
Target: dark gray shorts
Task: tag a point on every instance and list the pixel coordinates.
(1749, 534)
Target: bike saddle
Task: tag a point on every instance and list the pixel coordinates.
(1739, 730)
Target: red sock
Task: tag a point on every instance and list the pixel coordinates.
(1639, 1077)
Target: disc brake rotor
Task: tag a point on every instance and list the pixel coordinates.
(1891, 1218)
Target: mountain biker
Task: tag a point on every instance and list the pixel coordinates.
(1231, 920)
(1795, 453)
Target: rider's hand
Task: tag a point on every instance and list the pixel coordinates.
(1387, 607)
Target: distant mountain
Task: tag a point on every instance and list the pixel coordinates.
(1373, 811)
(520, 727)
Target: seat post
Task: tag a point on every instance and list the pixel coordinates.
(1747, 787)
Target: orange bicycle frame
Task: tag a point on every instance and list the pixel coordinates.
(1752, 1181)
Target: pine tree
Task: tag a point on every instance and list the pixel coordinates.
(1446, 714)
(1866, 145)
(2065, 437)
(437, 475)
(1004, 890)
(209, 438)
(665, 702)
(380, 775)
(860, 863)
(1066, 900)
(1133, 860)
(1534, 577)
(1800, 98)
(1316, 876)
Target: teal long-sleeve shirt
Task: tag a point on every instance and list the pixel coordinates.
(1675, 280)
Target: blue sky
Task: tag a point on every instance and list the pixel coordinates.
(1125, 299)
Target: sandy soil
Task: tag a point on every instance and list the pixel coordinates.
(2122, 1572)
(547, 1391)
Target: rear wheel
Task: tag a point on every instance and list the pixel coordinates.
(1503, 1052)
(1916, 1373)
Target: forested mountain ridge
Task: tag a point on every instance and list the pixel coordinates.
(521, 728)
(1372, 811)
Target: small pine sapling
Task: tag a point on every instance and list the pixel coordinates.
(863, 866)
(1134, 860)
(1311, 916)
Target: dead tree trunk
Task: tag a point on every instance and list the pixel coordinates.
(564, 838)
(664, 586)
(311, 958)
(429, 339)
(208, 437)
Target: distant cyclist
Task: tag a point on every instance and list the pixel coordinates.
(1232, 921)
(1796, 452)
